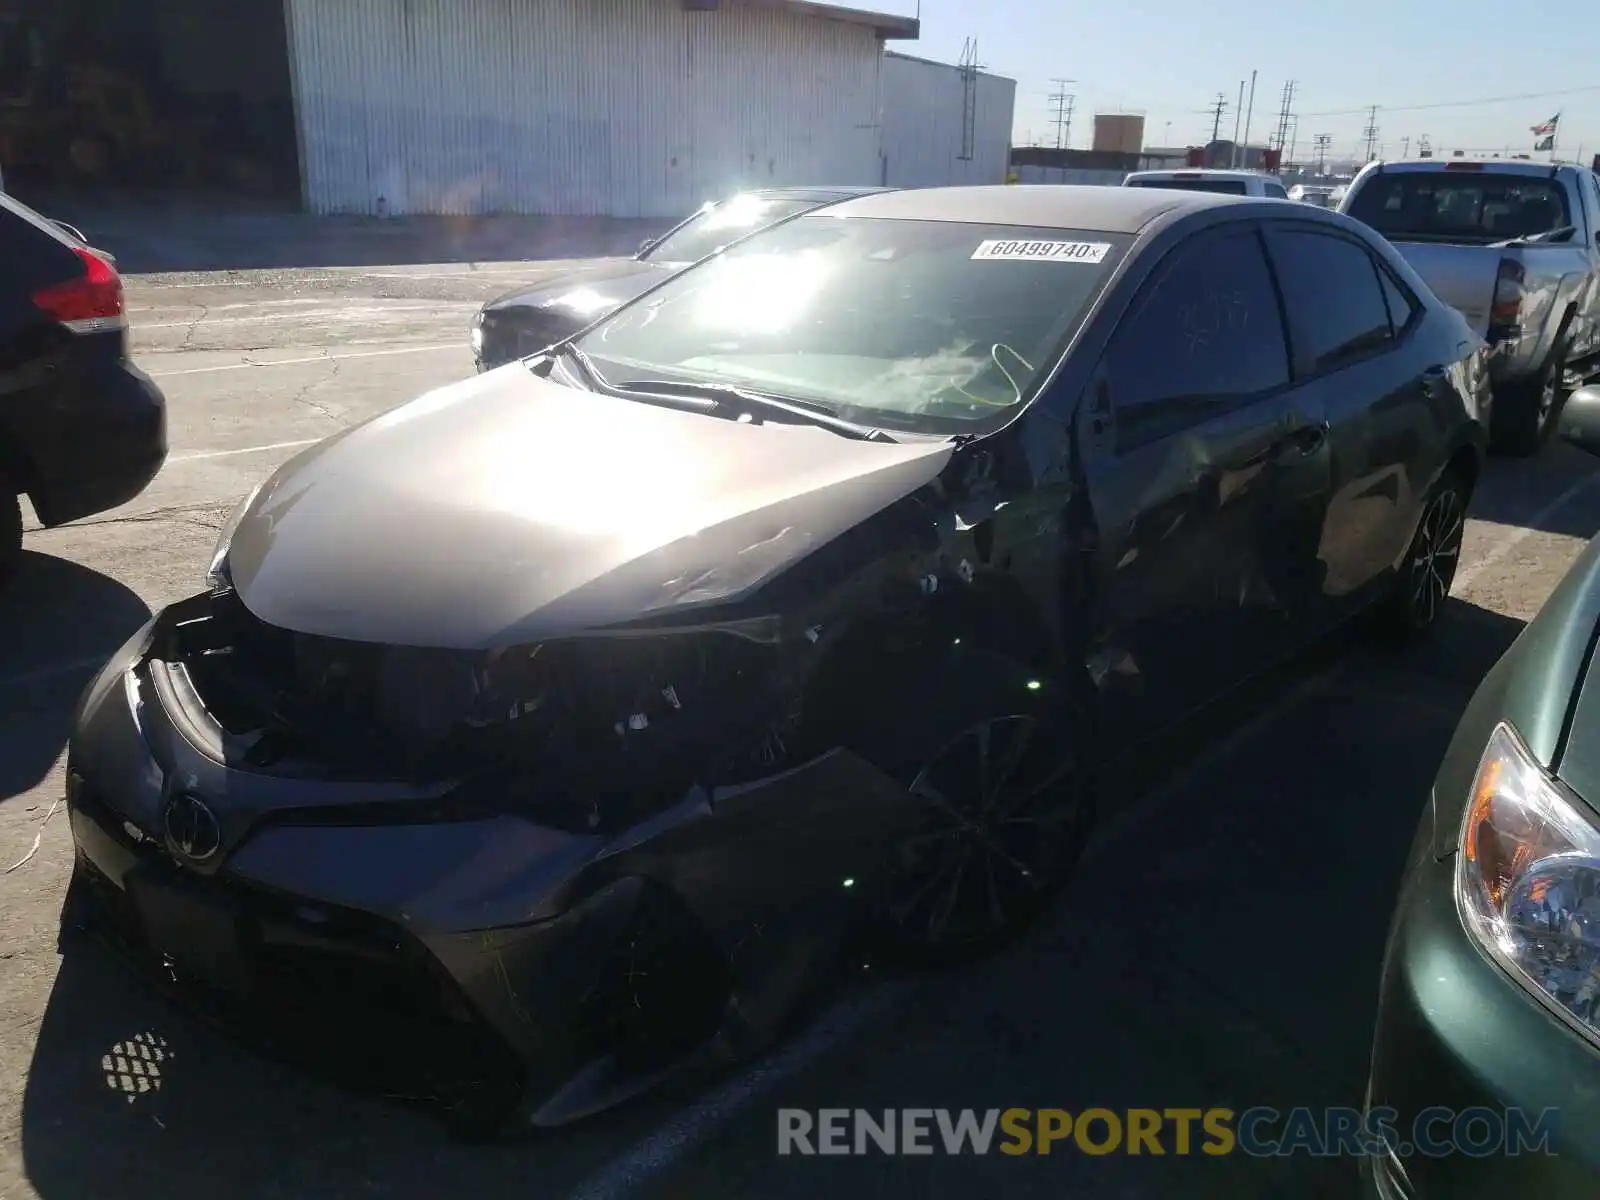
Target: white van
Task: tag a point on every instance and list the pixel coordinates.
(1229, 183)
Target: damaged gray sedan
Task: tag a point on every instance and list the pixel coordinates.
(549, 734)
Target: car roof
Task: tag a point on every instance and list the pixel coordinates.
(1506, 166)
(1042, 205)
(822, 194)
(1192, 172)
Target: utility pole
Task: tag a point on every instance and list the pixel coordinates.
(1371, 132)
(1217, 108)
(1238, 115)
(1424, 147)
(1280, 138)
(1250, 108)
(1294, 138)
(1322, 142)
(1405, 146)
(1061, 109)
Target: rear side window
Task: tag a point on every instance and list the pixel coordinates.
(1403, 307)
(1275, 190)
(1203, 337)
(1333, 294)
(1460, 206)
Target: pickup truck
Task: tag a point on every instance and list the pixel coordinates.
(1514, 246)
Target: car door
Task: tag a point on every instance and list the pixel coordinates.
(1352, 325)
(1207, 478)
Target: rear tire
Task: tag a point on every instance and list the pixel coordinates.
(1525, 417)
(1000, 764)
(10, 532)
(1422, 584)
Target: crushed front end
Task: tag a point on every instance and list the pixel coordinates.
(538, 877)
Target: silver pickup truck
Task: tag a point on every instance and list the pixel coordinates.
(1514, 246)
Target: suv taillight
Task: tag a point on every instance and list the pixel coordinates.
(1506, 311)
(89, 304)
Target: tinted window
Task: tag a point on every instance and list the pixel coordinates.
(1470, 206)
(1205, 335)
(1224, 187)
(925, 325)
(1331, 290)
(717, 225)
(1402, 307)
(1275, 190)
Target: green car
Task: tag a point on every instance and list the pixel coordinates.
(1485, 1074)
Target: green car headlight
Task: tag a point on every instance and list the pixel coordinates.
(1528, 880)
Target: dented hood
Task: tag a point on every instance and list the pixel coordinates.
(507, 508)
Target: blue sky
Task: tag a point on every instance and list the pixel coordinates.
(1174, 57)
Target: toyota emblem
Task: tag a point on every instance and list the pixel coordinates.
(191, 828)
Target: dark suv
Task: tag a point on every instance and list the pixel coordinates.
(81, 428)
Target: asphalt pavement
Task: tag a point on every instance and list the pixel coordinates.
(1219, 947)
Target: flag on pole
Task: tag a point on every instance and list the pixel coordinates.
(1546, 143)
(1547, 128)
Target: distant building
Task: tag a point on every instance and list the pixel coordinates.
(1046, 164)
(944, 125)
(627, 108)
(1119, 133)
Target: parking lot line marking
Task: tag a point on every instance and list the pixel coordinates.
(659, 1150)
(1512, 538)
(405, 310)
(289, 362)
(200, 455)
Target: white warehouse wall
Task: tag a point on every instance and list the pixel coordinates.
(628, 108)
(922, 124)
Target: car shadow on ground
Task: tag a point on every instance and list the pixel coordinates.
(61, 622)
(1222, 949)
(1516, 492)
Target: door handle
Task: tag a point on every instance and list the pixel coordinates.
(1307, 439)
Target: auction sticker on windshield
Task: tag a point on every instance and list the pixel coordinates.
(1082, 252)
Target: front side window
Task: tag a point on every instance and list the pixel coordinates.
(1204, 338)
(927, 326)
(1334, 295)
(718, 224)
(1460, 206)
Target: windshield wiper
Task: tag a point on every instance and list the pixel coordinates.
(734, 396)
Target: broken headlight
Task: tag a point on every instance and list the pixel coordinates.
(630, 717)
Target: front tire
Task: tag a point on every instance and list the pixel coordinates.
(1423, 582)
(999, 767)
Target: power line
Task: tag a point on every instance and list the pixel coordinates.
(1482, 101)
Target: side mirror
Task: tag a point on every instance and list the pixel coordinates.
(1580, 419)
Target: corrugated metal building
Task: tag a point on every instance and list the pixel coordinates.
(632, 108)
(943, 124)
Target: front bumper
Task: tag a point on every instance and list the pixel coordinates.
(1455, 1031)
(91, 440)
(512, 949)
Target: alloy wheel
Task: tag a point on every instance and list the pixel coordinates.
(1435, 555)
(1002, 810)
